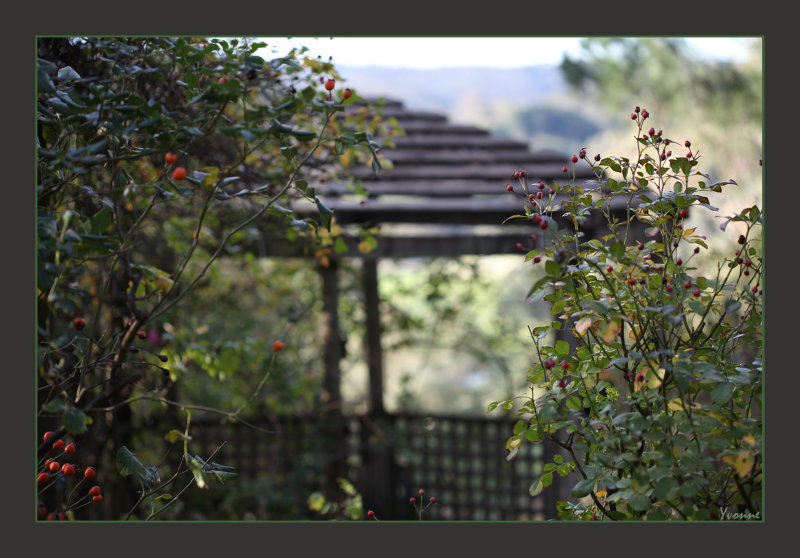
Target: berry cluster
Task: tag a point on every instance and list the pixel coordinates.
(54, 473)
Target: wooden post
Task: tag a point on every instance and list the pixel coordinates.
(373, 336)
(335, 441)
(377, 455)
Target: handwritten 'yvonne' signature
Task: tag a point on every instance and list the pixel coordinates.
(746, 515)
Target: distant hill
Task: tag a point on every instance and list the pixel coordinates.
(445, 90)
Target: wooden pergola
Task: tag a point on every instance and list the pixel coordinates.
(444, 196)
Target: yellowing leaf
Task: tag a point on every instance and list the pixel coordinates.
(175, 435)
(344, 159)
(513, 443)
(583, 325)
(608, 331)
(743, 462)
(749, 439)
(679, 405)
(601, 493)
(364, 247)
(163, 283)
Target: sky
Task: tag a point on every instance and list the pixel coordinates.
(448, 52)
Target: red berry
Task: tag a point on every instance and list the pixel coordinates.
(594, 518)
(669, 153)
(330, 84)
(574, 159)
(696, 249)
(41, 512)
(540, 185)
(141, 335)
(47, 436)
(609, 269)
(537, 259)
(543, 225)
(534, 238)
(509, 187)
(597, 157)
(741, 239)
(97, 499)
(170, 158)
(552, 191)
(79, 323)
(278, 346)
(696, 292)
(633, 116)
(669, 288)
(631, 281)
(684, 214)
(220, 80)
(54, 467)
(538, 195)
(95, 491)
(89, 473)
(58, 444)
(689, 155)
(582, 153)
(412, 500)
(641, 246)
(687, 284)
(370, 513)
(70, 448)
(179, 173)
(637, 109)
(640, 378)
(537, 219)
(62, 516)
(346, 94)
(564, 168)
(519, 247)
(687, 143)
(748, 263)
(68, 469)
(433, 499)
(652, 131)
(645, 114)
(679, 261)
(43, 477)
(421, 492)
(565, 365)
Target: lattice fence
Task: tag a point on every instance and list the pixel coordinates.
(459, 460)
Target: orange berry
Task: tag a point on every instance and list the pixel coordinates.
(43, 477)
(330, 84)
(54, 467)
(179, 173)
(221, 80)
(47, 436)
(79, 323)
(70, 448)
(98, 498)
(170, 158)
(346, 94)
(58, 444)
(278, 346)
(95, 491)
(68, 469)
(89, 473)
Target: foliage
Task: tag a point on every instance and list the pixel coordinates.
(156, 158)
(653, 384)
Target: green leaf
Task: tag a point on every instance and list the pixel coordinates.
(55, 406)
(562, 347)
(536, 488)
(552, 268)
(574, 403)
(664, 486)
(640, 503)
(583, 488)
(127, 462)
(75, 421)
(325, 214)
(722, 393)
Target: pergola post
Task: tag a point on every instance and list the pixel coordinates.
(334, 438)
(372, 336)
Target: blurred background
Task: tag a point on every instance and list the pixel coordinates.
(555, 93)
